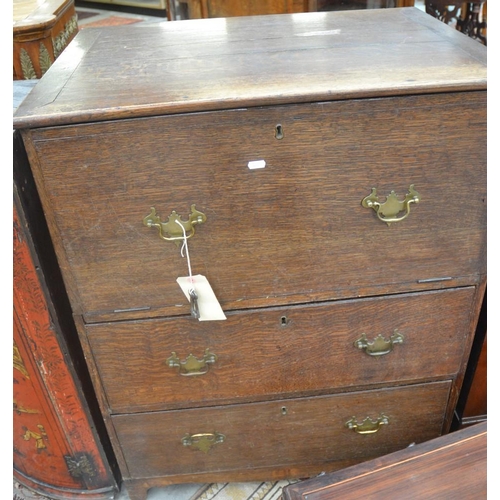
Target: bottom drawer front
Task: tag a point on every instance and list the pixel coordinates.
(281, 433)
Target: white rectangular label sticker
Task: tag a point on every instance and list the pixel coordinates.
(253, 165)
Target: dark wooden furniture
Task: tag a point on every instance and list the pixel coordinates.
(41, 31)
(198, 9)
(57, 451)
(451, 466)
(472, 405)
(475, 408)
(468, 17)
(291, 150)
(323, 5)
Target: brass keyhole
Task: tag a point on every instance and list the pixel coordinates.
(284, 321)
(278, 132)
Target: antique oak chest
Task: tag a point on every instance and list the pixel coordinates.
(272, 234)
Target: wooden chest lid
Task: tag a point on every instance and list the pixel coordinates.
(209, 64)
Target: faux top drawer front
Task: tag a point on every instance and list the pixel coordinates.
(180, 362)
(292, 231)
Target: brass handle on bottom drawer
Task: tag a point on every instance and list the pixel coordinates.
(203, 441)
(379, 346)
(367, 426)
(387, 212)
(172, 230)
(192, 365)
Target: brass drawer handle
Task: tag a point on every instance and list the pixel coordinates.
(172, 230)
(192, 365)
(203, 441)
(380, 345)
(367, 426)
(387, 212)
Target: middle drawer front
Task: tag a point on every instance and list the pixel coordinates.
(309, 431)
(146, 365)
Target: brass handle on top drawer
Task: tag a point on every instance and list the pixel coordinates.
(172, 230)
(192, 365)
(389, 210)
(203, 441)
(367, 426)
(379, 346)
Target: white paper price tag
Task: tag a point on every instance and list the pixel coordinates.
(208, 305)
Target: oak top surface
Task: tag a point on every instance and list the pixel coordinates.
(210, 64)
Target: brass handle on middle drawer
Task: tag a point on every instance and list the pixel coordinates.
(192, 365)
(379, 346)
(203, 441)
(387, 212)
(367, 426)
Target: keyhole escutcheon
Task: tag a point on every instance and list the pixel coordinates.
(278, 132)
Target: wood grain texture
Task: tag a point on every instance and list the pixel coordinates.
(292, 232)
(452, 466)
(259, 358)
(312, 431)
(213, 64)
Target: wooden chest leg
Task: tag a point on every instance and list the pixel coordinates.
(136, 489)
